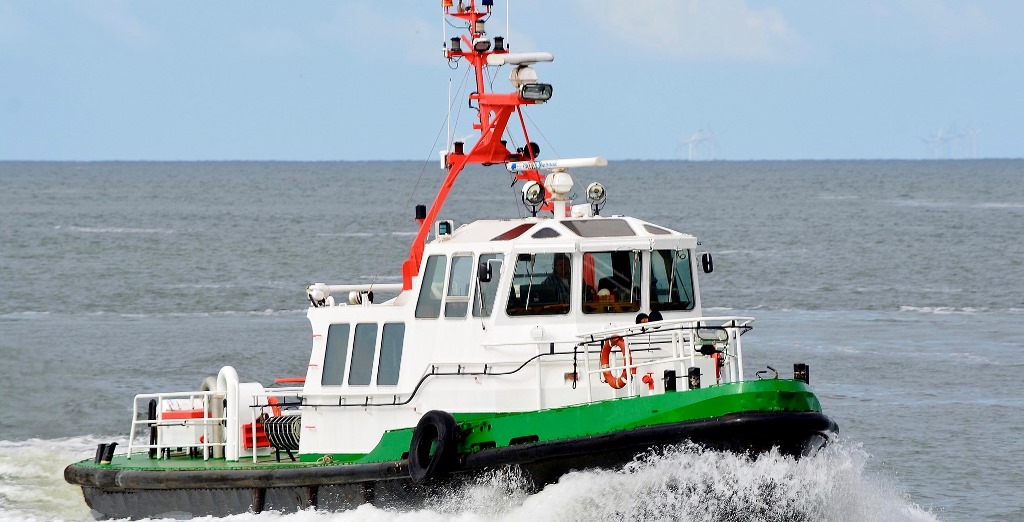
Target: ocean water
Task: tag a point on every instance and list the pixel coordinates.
(900, 283)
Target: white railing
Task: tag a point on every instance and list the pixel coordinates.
(177, 430)
(680, 337)
(664, 343)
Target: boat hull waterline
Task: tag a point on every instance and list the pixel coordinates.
(136, 493)
(143, 487)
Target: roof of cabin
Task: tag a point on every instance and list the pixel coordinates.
(572, 229)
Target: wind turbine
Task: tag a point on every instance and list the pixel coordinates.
(972, 140)
(711, 145)
(700, 146)
(693, 142)
(938, 143)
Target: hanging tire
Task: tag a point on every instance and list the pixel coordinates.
(434, 449)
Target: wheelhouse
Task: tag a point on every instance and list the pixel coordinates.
(584, 270)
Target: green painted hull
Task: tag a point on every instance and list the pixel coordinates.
(749, 416)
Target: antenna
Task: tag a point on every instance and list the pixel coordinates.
(449, 120)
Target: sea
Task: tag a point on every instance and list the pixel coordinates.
(901, 284)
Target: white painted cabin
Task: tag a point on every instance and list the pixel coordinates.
(375, 366)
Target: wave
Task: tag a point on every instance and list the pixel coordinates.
(49, 315)
(115, 230)
(1000, 206)
(926, 203)
(943, 310)
(32, 483)
(679, 483)
(365, 234)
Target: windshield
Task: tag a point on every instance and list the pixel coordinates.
(541, 285)
(611, 282)
(671, 280)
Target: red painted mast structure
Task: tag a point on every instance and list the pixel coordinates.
(494, 111)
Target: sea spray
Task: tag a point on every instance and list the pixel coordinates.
(32, 483)
(691, 484)
(683, 483)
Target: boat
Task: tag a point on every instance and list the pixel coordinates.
(562, 340)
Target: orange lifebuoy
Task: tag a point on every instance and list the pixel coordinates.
(615, 381)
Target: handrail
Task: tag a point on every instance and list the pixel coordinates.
(674, 332)
(206, 421)
(681, 334)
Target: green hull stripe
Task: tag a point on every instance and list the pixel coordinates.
(487, 430)
(490, 430)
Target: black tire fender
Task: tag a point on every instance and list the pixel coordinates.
(437, 431)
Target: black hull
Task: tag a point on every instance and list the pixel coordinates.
(114, 493)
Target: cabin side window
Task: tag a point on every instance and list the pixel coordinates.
(487, 291)
(671, 280)
(363, 347)
(457, 301)
(611, 282)
(335, 355)
(391, 341)
(541, 285)
(429, 304)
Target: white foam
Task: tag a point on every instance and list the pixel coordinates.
(941, 310)
(684, 483)
(32, 485)
(116, 230)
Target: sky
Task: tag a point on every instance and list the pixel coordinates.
(643, 79)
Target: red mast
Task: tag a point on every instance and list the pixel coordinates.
(493, 110)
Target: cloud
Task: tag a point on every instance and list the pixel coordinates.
(699, 29)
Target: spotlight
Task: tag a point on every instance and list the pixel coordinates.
(533, 193)
(596, 193)
(596, 196)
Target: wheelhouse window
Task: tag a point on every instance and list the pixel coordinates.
(428, 306)
(391, 341)
(671, 280)
(541, 285)
(487, 291)
(363, 347)
(457, 301)
(611, 282)
(335, 355)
